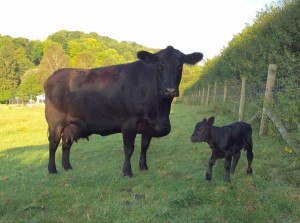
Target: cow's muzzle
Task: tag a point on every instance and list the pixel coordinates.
(171, 92)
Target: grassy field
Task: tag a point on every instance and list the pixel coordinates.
(173, 190)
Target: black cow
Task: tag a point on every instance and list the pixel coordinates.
(226, 141)
(131, 99)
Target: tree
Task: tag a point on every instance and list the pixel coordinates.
(30, 85)
(60, 38)
(85, 60)
(35, 51)
(8, 65)
(110, 57)
(54, 59)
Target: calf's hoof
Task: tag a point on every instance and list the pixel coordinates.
(249, 171)
(208, 177)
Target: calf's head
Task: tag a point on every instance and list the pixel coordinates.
(168, 68)
(201, 132)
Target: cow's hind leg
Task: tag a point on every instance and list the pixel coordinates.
(70, 134)
(66, 147)
(54, 138)
(144, 148)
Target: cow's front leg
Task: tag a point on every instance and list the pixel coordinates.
(128, 141)
(144, 148)
(227, 166)
(211, 163)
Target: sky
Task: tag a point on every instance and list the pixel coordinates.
(188, 25)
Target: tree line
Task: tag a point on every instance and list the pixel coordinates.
(274, 37)
(25, 64)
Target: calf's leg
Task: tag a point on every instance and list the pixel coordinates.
(144, 148)
(227, 165)
(236, 158)
(211, 163)
(249, 158)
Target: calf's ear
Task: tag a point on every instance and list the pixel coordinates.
(147, 57)
(211, 120)
(193, 58)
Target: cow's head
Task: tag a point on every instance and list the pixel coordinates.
(201, 132)
(169, 63)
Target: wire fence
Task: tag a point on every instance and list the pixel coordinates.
(226, 98)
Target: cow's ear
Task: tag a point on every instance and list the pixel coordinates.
(147, 57)
(211, 121)
(204, 120)
(193, 58)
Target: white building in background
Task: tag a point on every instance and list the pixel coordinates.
(40, 99)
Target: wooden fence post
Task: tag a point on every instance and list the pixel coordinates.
(203, 97)
(242, 99)
(215, 92)
(268, 97)
(225, 93)
(207, 96)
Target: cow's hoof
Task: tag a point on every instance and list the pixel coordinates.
(249, 171)
(68, 167)
(53, 171)
(142, 167)
(208, 177)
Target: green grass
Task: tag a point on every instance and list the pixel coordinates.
(173, 190)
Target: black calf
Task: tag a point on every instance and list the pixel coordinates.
(225, 142)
